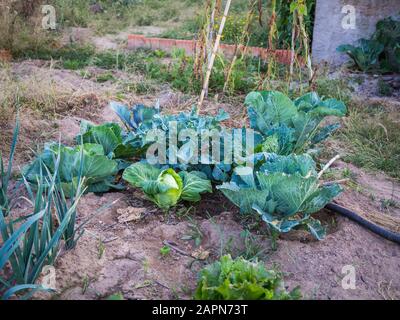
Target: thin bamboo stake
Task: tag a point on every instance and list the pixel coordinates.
(211, 62)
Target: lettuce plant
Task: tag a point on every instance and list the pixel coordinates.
(291, 126)
(240, 279)
(165, 187)
(87, 161)
(285, 192)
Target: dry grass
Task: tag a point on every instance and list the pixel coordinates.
(371, 135)
(44, 96)
(41, 103)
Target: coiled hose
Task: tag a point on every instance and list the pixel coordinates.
(389, 235)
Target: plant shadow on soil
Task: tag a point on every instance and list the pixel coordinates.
(214, 204)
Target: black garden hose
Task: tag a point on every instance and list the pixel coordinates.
(389, 235)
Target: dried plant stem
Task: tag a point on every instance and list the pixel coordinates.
(293, 44)
(210, 31)
(201, 45)
(271, 42)
(240, 47)
(328, 165)
(306, 47)
(214, 53)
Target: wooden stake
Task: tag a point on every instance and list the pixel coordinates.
(215, 50)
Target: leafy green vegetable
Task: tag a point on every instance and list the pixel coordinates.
(291, 126)
(87, 161)
(194, 183)
(140, 120)
(285, 192)
(165, 187)
(365, 55)
(137, 118)
(240, 279)
(110, 136)
(379, 53)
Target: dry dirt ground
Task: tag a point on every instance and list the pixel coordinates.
(120, 250)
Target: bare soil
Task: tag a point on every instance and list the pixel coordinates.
(125, 258)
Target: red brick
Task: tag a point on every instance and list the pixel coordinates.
(187, 45)
(190, 46)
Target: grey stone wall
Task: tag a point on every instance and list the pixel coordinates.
(328, 30)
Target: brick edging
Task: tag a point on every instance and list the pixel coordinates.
(136, 41)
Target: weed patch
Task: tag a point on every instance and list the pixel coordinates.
(374, 141)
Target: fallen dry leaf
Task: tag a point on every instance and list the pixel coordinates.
(129, 214)
(200, 254)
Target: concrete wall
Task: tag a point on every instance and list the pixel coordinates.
(328, 30)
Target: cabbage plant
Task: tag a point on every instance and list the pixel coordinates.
(139, 120)
(291, 126)
(285, 192)
(379, 53)
(366, 55)
(115, 142)
(166, 187)
(87, 161)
